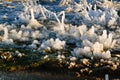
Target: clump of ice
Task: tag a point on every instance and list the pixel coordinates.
(98, 47)
(5, 39)
(53, 44)
(36, 34)
(15, 35)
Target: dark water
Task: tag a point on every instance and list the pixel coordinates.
(41, 75)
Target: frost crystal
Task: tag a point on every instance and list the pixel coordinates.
(97, 46)
(55, 44)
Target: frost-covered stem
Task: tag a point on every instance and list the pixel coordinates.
(32, 14)
(95, 7)
(43, 13)
(62, 21)
(56, 17)
(63, 16)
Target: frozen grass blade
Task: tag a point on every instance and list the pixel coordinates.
(33, 22)
(32, 14)
(43, 13)
(56, 17)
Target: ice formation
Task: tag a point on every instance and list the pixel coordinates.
(60, 26)
(94, 16)
(82, 23)
(55, 44)
(33, 22)
(107, 40)
(98, 48)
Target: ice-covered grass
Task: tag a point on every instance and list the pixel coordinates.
(44, 29)
(77, 35)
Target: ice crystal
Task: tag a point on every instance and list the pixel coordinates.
(55, 44)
